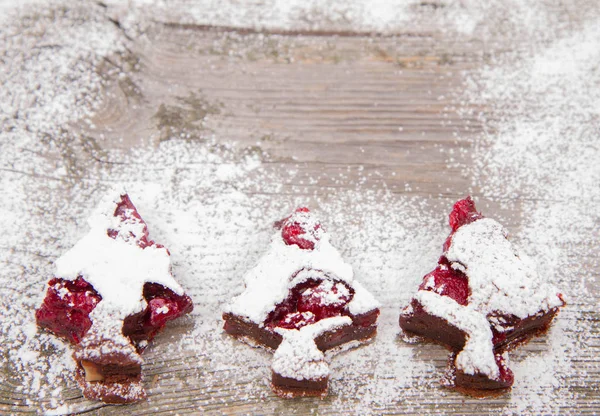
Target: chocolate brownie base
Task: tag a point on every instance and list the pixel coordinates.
(438, 330)
(363, 327)
(432, 327)
(97, 372)
(349, 333)
(479, 385)
(290, 387)
(108, 372)
(240, 328)
(113, 390)
(111, 383)
(524, 330)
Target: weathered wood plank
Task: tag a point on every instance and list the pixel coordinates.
(325, 106)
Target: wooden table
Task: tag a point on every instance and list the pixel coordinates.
(354, 111)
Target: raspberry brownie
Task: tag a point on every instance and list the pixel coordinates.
(481, 301)
(113, 292)
(301, 300)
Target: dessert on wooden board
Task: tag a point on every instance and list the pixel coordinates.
(301, 300)
(482, 300)
(112, 293)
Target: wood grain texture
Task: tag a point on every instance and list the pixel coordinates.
(318, 102)
(323, 106)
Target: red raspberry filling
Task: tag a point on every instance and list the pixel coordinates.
(163, 306)
(66, 308)
(463, 212)
(309, 302)
(506, 375)
(128, 213)
(325, 300)
(297, 320)
(301, 229)
(446, 281)
(68, 304)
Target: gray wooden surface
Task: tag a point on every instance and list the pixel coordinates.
(317, 104)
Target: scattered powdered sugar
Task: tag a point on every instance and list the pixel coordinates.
(364, 15)
(544, 149)
(512, 19)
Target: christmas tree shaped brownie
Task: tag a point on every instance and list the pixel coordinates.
(113, 292)
(301, 300)
(481, 301)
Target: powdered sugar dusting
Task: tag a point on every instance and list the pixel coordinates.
(331, 294)
(285, 266)
(117, 269)
(363, 300)
(499, 280)
(298, 357)
(511, 18)
(477, 355)
(104, 339)
(375, 15)
(538, 148)
(541, 150)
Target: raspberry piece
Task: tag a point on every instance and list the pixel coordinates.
(68, 304)
(506, 375)
(309, 302)
(325, 300)
(297, 320)
(290, 304)
(132, 226)
(301, 228)
(463, 212)
(446, 281)
(66, 308)
(282, 310)
(163, 306)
